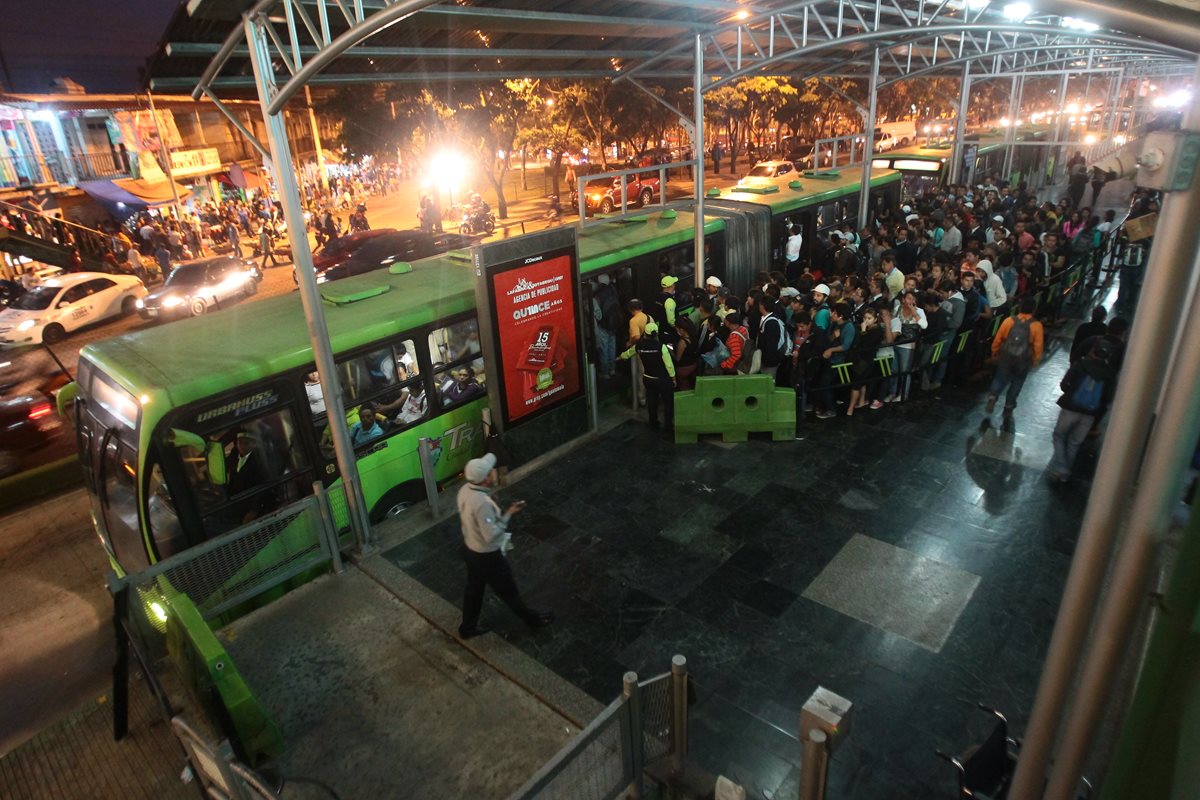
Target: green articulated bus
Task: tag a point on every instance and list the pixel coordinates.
(158, 412)
(926, 167)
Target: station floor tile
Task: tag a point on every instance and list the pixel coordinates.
(730, 556)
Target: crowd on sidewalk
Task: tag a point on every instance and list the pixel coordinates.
(246, 223)
(947, 289)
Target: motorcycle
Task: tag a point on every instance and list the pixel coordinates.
(477, 222)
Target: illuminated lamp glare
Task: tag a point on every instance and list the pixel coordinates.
(1017, 11)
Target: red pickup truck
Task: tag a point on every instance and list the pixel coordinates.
(638, 192)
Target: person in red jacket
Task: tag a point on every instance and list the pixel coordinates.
(735, 341)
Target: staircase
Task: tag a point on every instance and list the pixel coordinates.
(40, 237)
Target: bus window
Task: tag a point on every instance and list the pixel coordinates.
(265, 468)
(459, 383)
(118, 493)
(366, 375)
(455, 343)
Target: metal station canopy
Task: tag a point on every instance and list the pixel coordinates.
(337, 42)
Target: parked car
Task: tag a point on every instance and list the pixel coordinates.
(338, 250)
(195, 287)
(769, 173)
(67, 302)
(393, 247)
(27, 422)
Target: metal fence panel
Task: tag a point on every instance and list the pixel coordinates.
(228, 570)
(596, 765)
(657, 716)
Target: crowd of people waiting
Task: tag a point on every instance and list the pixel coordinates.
(937, 291)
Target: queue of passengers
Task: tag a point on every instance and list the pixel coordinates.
(932, 293)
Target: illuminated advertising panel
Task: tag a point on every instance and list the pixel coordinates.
(536, 328)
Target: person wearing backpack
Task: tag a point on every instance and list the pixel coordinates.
(773, 340)
(1088, 389)
(1017, 349)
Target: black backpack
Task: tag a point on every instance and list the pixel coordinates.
(1018, 347)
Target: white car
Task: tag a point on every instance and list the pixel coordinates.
(67, 302)
(769, 173)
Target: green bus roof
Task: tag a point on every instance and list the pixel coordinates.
(825, 186)
(196, 358)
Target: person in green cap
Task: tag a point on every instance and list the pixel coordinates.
(664, 307)
(658, 374)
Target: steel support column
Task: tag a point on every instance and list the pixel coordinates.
(960, 126)
(1062, 130)
(864, 195)
(316, 134)
(1158, 487)
(310, 298)
(1150, 344)
(698, 154)
(1015, 96)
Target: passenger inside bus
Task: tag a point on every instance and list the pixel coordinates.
(247, 475)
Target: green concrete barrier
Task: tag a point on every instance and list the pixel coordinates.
(42, 480)
(735, 406)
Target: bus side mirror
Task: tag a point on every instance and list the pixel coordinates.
(66, 395)
(214, 454)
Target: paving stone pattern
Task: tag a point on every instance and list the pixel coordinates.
(645, 549)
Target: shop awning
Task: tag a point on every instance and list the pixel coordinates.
(242, 179)
(124, 197)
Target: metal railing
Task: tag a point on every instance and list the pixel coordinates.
(20, 171)
(91, 243)
(236, 567)
(645, 725)
(606, 179)
(220, 774)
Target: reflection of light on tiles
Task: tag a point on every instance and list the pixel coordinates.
(1015, 448)
(895, 590)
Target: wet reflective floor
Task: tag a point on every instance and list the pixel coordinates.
(910, 559)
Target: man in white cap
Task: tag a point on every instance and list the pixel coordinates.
(712, 285)
(485, 538)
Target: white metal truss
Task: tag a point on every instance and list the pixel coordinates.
(914, 38)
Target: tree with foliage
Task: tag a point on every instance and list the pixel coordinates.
(486, 120)
(554, 127)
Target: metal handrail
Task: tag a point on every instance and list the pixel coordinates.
(89, 241)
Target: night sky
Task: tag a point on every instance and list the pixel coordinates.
(101, 44)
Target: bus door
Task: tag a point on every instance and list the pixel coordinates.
(240, 458)
(106, 423)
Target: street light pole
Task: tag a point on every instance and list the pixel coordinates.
(166, 151)
(310, 298)
(864, 195)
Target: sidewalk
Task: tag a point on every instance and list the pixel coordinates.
(77, 759)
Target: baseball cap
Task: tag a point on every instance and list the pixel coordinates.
(789, 291)
(911, 217)
(969, 205)
(821, 288)
(603, 280)
(669, 280)
(998, 218)
(477, 469)
(652, 327)
(907, 209)
(835, 234)
(713, 280)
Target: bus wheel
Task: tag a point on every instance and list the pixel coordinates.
(396, 501)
